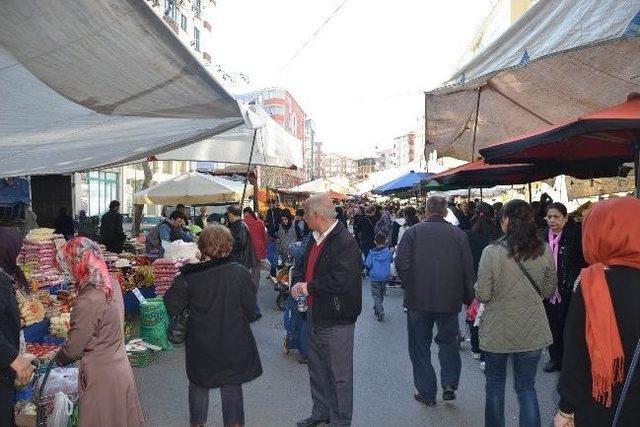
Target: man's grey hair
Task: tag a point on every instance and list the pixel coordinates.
(437, 205)
(322, 205)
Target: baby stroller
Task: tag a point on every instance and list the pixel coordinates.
(295, 316)
(282, 286)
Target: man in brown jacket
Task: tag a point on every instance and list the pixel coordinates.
(434, 262)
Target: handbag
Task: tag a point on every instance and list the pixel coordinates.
(627, 383)
(177, 330)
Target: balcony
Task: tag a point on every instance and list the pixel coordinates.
(172, 23)
(206, 57)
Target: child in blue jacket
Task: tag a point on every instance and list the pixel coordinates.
(378, 263)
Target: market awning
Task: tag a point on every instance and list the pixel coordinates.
(402, 184)
(338, 184)
(274, 146)
(560, 59)
(99, 83)
(192, 188)
(480, 174)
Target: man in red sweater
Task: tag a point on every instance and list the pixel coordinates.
(330, 277)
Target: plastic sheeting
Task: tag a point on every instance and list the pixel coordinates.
(98, 83)
(193, 188)
(274, 146)
(338, 184)
(559, 60)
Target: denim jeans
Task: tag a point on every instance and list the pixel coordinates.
(272, 256)
(232, 404)
(378, 290)
(525, 367)
(420, 331)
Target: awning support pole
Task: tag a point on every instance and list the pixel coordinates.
(475, 126)
(246, 178)
(481, 194)
(530, 193)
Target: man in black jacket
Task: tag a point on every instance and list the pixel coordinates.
(111, 232)
(242, 247)
(330, 278)
(434, 261)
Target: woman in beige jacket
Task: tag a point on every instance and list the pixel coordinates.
(514, 275)
(107, 389)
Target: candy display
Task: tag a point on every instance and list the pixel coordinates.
(31, 309)
(37, 258)
(43, 352)
(165, 271)
(60, 325)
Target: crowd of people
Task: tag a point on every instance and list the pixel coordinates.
(529, 276)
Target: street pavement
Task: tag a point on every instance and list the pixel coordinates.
(383, 385)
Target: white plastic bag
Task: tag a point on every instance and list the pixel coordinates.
(180, 250)
(63, 380)
(62, 410)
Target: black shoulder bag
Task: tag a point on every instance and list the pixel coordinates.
(627, 383)
(177, 330)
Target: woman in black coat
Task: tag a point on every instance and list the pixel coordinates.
(12, 365)
(603, 324)
(220, 349)
(564, 238)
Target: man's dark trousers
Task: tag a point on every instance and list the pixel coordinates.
(330, 353)
(420, 331)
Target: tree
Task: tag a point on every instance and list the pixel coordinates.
(137, 209)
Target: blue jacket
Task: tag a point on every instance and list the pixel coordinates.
(379, 264)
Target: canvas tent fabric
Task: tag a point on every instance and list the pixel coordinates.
(339, 184)
(559, 60)
(404, 183)
(193, 188)
(101, 83)
(274, 146)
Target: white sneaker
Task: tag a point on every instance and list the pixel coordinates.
(482, 365)
(476, 355)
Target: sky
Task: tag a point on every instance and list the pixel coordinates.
(362, 77)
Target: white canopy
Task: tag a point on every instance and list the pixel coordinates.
(560, 60)
(339, 184)
(274, 146)
(96, 83)
(193, 188)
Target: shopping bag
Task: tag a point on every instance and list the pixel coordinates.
(62, 410)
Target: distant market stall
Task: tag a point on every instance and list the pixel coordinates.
(403, 184)
(193, 188)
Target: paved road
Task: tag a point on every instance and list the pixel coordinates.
(383, 382)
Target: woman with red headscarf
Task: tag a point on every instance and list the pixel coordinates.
(107, 388)
(603, 324)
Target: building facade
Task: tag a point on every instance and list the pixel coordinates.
(365, 166)
(337, 165)
(405, 149)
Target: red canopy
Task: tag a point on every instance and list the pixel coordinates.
(482, 174)
(609, 134)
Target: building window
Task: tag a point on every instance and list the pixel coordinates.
(170, 9)
(183, 22)
(102, 189)
(166, 168)
(196, 39)
(197, 8)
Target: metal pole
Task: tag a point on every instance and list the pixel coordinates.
(246, 178)
(530, 193)
(480, 193)
(475, 125)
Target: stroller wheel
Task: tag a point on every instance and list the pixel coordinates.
(281, 301)
(285, 349)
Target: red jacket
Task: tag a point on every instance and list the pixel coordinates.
(258, 235)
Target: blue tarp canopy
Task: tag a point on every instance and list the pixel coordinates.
(404, 183)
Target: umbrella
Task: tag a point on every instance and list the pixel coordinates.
(192, 188)
(481, 174)
(404, 183)
(611, 136)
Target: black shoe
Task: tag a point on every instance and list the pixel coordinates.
(552, 366)
(311, 422)
(424, 401)
(303, 360)
(448, 393)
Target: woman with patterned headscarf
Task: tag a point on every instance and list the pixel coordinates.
(107, 388)
(603, 324)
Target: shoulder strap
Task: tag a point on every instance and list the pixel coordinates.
(526, 273)
(627, 383)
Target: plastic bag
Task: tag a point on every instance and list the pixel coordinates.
(180, 250)
(154, 322)
(62, 410)
(63, 380)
